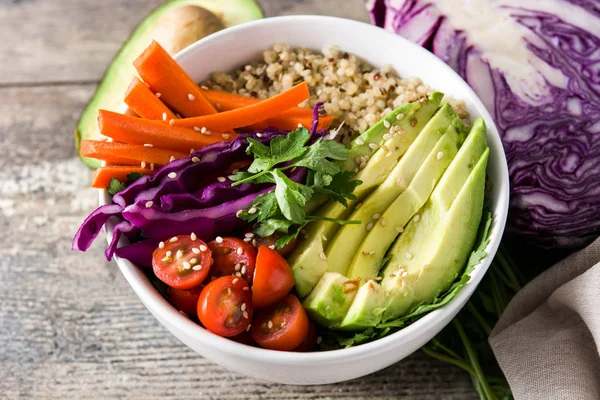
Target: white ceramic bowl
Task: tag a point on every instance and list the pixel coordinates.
(235, 46)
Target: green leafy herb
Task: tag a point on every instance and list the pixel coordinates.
(115, 186)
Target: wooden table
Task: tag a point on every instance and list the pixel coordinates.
(70, 326)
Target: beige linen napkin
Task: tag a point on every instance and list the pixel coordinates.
(547, 342)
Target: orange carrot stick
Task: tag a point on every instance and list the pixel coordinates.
(103, 175)
(127, 154)
(158, 69)
(250, 114)
(144, 103)
(287, 120)
(133, 130)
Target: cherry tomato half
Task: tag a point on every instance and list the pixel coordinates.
(270, 241)
(232, 256)
(273, 278)
(182, 262)
(310, 341)
(282, 326)
(185, 300)
(225, 306)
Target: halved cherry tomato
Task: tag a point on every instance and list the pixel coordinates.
(310, 341)
(185, 300)
(225, 306)
(232, 256)
(273, 278)
(269, 241)
(182, 262)
(282, 326)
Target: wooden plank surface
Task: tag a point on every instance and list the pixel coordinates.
(70, 326)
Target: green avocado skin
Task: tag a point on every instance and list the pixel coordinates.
(109, 93)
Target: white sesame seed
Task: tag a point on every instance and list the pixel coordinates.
(151, 166)
(172, 159)
(270, 324)
(245, 314)
(207, 133)
(171, 122)
(249, 234)
(195, 250)
(385, 148)
(237, 266)
(149, 204)
(254, 243)
(360, 142)
(186, 265)
(259, 135)
(323, 237)
(204, 87)
(226, 136)
(193, 236)
(243, 307)
(323, 256)
(246, 288)
(299, 125)
(417, 218)
(164, 116)
(194, 261)
(228, 291)
(148, 145)
(179, 254)
(161, 245)
(399, 229)
(143, 164)
(369, 226)
(158, 95)
(383, 222)
(249, 325)
(409, 256)
(203, 247)
(192, 150)
(197, 267)
(398, 182)
(172, 175)
(195, 159)
(196, 128)
(191, 97)
(386, 123)
(252, 210)
(243, 270)
(221, 179)
(219, 239)
(234, 281)
(440, 155)
(389, 154)
(404, 274)
(240, 251)
(376, 216)
(168, 253)
(272, 247)
(174, 239)
(247, 240)
(387, 136)
(399, 116)
(239, 213)
(201, 130)
(373, 146)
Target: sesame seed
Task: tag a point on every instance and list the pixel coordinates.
(323, 256)
(254, 243)
(226, 136)
(191, 97)
(172, 175)
(168, 253)
(398, 182)
(323, 237)
(299, 125)
(368, 253)
(195, 250)
(389, 154)
(385, 148)
(369, 226)
(243, 270)
(249, 325)
(272, 247)
(399, 229)
(172, 159)
(404, 274)
(373, 146)
(149, 204)
(203, 247)
(143, 164)
(166, 259)
(440, 155)
(186, 265)
(378, 278)
(409, 256)
(192, 150)
(158, 95)
(179, 254)
(399, 116)
(228, 291)
(193, 236)
(207, 132)
(164, 116)
(197, 267)
(249, 234)
(383, 222)
(203, 129)
(240, 251)
(386, 123)
(219, 239)
(270, 324)
(237, 267)
(174, 239)
(196, 128)
(148, 145)
(252, 210)
(259, 135)
(221, 179)
(376, 216)
(171, 122)
(204, 87)
(161, 245)
(417, 218)
(243, 307)
(195, 159)
(239, 213)
(151, 166)
(246, 288)
(234, 281)
(247, 240)
(245, 314)
(387, 136)
(360, 142)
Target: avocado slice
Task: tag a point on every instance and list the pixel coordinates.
(118, 75)
(431, 252)
(329, 301)
(306, 260)
(369, 256)
(366, 309)
(342, 248)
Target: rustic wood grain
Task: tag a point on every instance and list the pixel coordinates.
(70, 326)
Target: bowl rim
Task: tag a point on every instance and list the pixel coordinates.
(163, 310)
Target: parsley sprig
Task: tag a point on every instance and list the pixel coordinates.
(282, 211)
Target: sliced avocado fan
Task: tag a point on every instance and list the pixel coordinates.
(308, 259)
(118, 75)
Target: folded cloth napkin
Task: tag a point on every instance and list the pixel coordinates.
(547, 342)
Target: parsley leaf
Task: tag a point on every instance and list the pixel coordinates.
(114, 187)
(316, 158)
(290, 199)
(338, 187)
(270, 226)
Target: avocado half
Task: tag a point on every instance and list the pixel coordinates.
(120, 72)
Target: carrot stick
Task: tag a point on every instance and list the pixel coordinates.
(127, 154)
(158, 69)
(133, 130)
(250, 114)
(144, 103)
(103, 175)
(287, 120)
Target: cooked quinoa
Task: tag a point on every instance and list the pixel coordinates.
(355, 93)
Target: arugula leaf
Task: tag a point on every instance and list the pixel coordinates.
(290, 200)
(114, 187)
